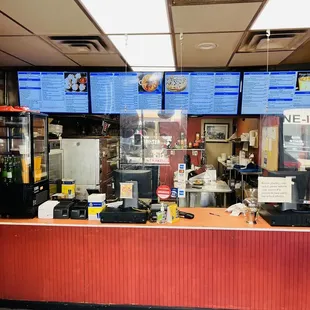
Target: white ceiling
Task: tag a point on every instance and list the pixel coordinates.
(44, 17)
(26, 25)
(213, 18)
(218, 57)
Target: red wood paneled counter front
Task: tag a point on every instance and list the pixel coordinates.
(211, 261)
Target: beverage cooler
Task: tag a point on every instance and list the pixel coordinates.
(24, 178)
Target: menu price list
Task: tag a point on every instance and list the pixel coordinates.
(203, 92)
(122, 92)
(52, 92)
(274, 92)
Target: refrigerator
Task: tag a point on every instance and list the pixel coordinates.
(82, 163)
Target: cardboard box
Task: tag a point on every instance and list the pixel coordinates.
(96, 204)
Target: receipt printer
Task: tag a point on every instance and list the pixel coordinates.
(46, 209)
(62, 210)
(79, 211)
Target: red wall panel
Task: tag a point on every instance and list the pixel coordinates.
(231, 269)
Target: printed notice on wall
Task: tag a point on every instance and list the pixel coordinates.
(274, 189)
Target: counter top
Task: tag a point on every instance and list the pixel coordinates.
(218, 187)
(203, 220)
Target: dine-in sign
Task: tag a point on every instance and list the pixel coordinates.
(297, 116)
(163, 191)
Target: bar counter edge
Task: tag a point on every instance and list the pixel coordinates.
(210, 262)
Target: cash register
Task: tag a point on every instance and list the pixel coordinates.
(133, 209)
(296, 213)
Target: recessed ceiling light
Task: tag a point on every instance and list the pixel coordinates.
(206, 46)
(280, 14)
(145, 50)
(129, 16)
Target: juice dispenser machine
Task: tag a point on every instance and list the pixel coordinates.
(24, 179)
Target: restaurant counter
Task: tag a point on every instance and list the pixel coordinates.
(212, 261)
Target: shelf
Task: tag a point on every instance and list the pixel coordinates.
(13, 125)
(185, 149)
(12, 154)
(12, 137)
(236, 141)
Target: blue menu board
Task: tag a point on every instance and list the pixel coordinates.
(274, 92)
(54, 92)
(122, 92)
(202, 92)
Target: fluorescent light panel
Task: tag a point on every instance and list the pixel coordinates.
(129, 16)
(283, 14)
(152, 69)
(145, 50)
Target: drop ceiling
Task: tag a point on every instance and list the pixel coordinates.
(26, 28)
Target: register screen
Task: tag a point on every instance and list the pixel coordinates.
(54, 92)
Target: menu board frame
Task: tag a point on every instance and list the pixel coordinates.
(209, 71)
(64, 70)
(298, 71)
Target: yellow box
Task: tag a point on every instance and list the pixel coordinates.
(94, 212)
(37, 162)
(68, 188)
(37, 175)
(172, 213)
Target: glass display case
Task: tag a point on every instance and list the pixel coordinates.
(24, 179)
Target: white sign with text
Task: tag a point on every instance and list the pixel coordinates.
(275, 190)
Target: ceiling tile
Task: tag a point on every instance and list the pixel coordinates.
(43, 17)
(213, 18)
(301, 55)
(8, 27)
(193, 57)
(257, 59)
(102, 60)
(8, 61)
(34, 50)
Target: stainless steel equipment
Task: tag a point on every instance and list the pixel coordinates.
(90, 163)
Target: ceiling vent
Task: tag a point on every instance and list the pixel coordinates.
(287, 40)
(80, 44)
(206, 2)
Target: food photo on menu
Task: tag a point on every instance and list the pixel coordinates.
(150, 82)
(75, 82)
(176, 83)
(303, 81)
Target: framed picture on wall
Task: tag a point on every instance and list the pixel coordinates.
(216, 132)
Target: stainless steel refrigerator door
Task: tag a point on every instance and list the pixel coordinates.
(81, 160)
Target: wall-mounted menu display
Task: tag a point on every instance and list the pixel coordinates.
(203, 92)
(274, 92)
(122, 92)
(54, 92)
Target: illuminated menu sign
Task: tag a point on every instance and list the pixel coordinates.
(122, 92)
(202, 92)
(54, 92)
(274, 92)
